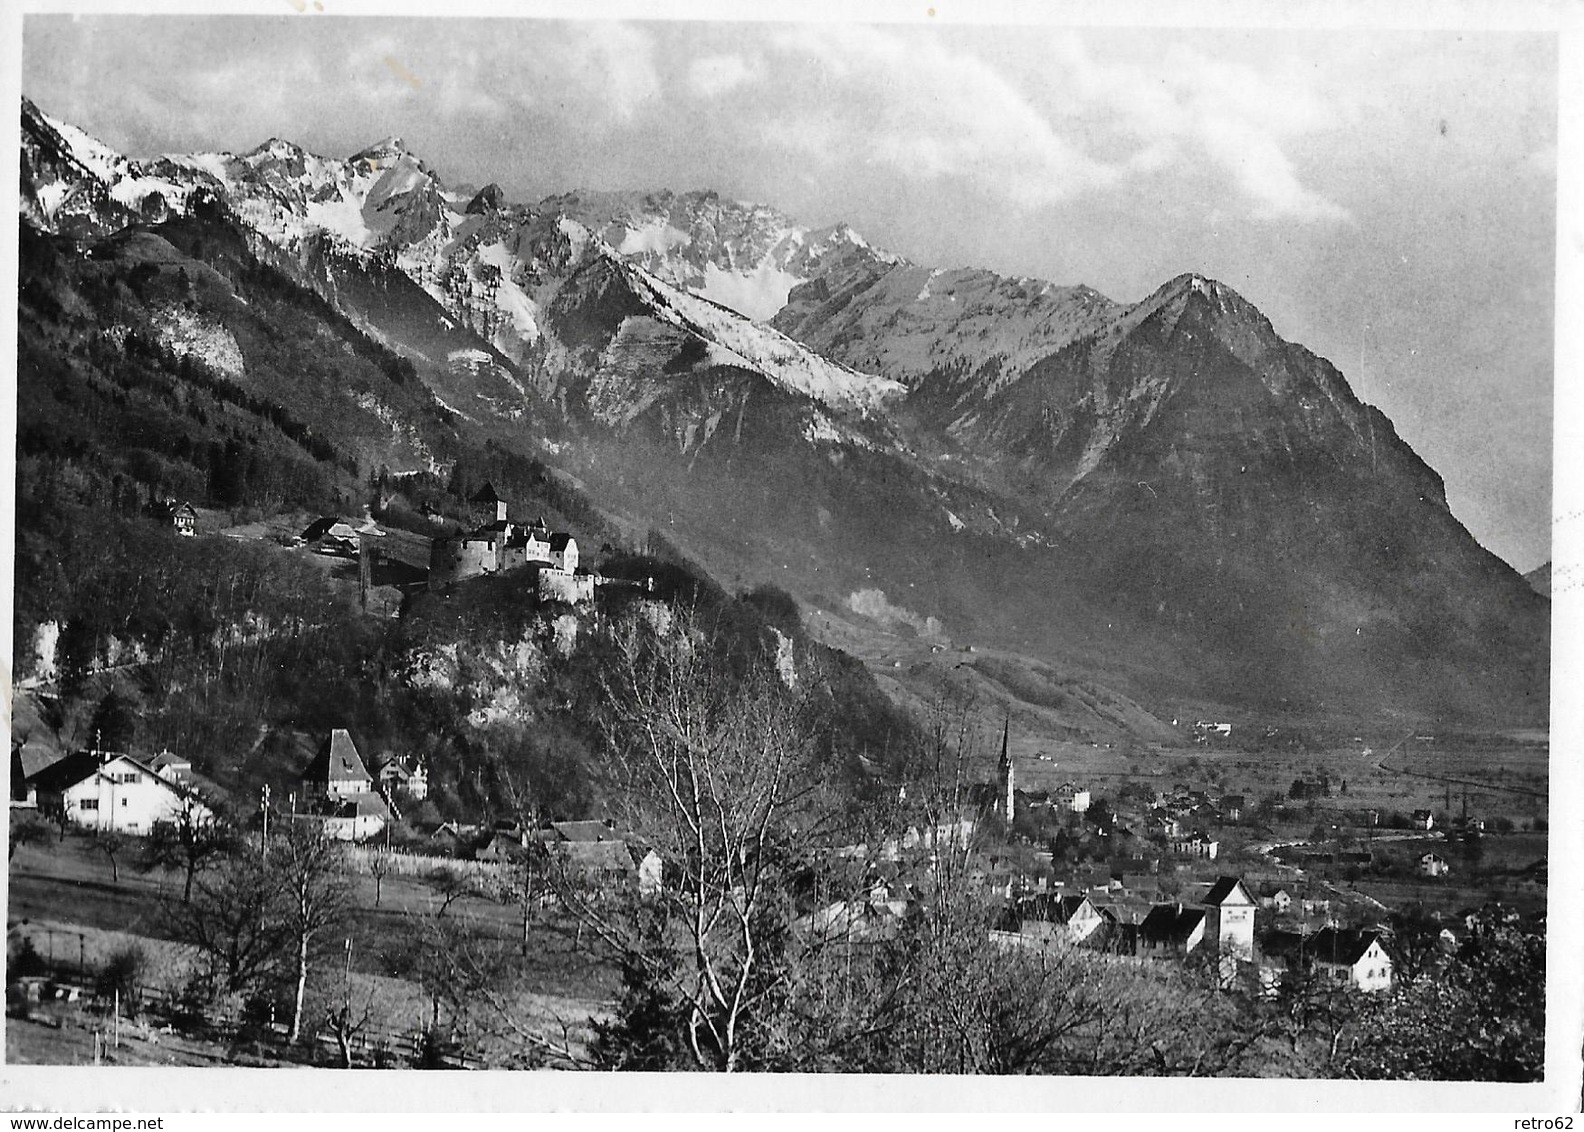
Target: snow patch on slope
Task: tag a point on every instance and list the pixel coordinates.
(768, 351)
(98, 158)
(656, 237)
(342, 217)
(757, 294)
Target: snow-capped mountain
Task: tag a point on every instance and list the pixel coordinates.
(1167, 486)
(492, 266)
(747, 257)
(964, 329)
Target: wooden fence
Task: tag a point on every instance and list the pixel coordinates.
(371, 1046)
(360, 859)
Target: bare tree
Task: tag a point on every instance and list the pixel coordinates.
(380, 866)
(316, 895)
(347, 1021)
(711, 759)
(112, 845)
(451, 884)
(525, 881)
(234, 920)
(192, 841)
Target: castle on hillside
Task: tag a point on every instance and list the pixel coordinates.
(497, 544)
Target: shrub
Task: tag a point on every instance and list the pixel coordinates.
(123, 974)
(27, 962)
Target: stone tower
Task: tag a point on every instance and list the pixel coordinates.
(488, 507)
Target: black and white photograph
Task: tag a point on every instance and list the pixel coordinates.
(906, 544)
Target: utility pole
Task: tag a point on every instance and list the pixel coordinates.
(364, 570)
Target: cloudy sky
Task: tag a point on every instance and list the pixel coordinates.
(1386, 197)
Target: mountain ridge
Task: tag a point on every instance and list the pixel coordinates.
(1172, 462)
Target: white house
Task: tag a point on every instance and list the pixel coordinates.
(1433, 865)
(339, 791)
(337, 769)
(1070, 796)
(1229, 919)
(1195, 844)
(564, 553)
(1070, 918)
(116, 793)
(394, 776)
(651, 871)
(1278, 901)
(179, 514)
(354, 818)
(1354, 958)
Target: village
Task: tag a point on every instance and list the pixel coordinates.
(1131, 877)
(1164, 864)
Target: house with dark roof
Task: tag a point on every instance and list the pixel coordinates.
(1162, 824)
(488, 503)
(114, 792)
(1195, 844)
(563, 552)
(1122, 908)
(24, 795)
(393, 776)
(1343, 957)
(1170, 931)
(181, 515)
(337, 769)
(585, 831)
(339, 791)
(1050, 917)
(331, 535)
(600, 863)
(1072, 797)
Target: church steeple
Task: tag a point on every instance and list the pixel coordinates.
(1008, 773)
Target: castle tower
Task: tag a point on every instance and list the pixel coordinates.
(1008, 773)
(487, 506)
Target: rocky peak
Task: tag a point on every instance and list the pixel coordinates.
(276, 148)
(488, 199)
(386, 149)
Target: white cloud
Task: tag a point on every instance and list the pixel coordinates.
(932, 113)
(1047, 120)
(1188, 104)
(612, 62)
(714, 75)
(1260, 168)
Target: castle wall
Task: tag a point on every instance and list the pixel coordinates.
(451, 560)
(570, 588)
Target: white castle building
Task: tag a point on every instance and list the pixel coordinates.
(497, 544)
